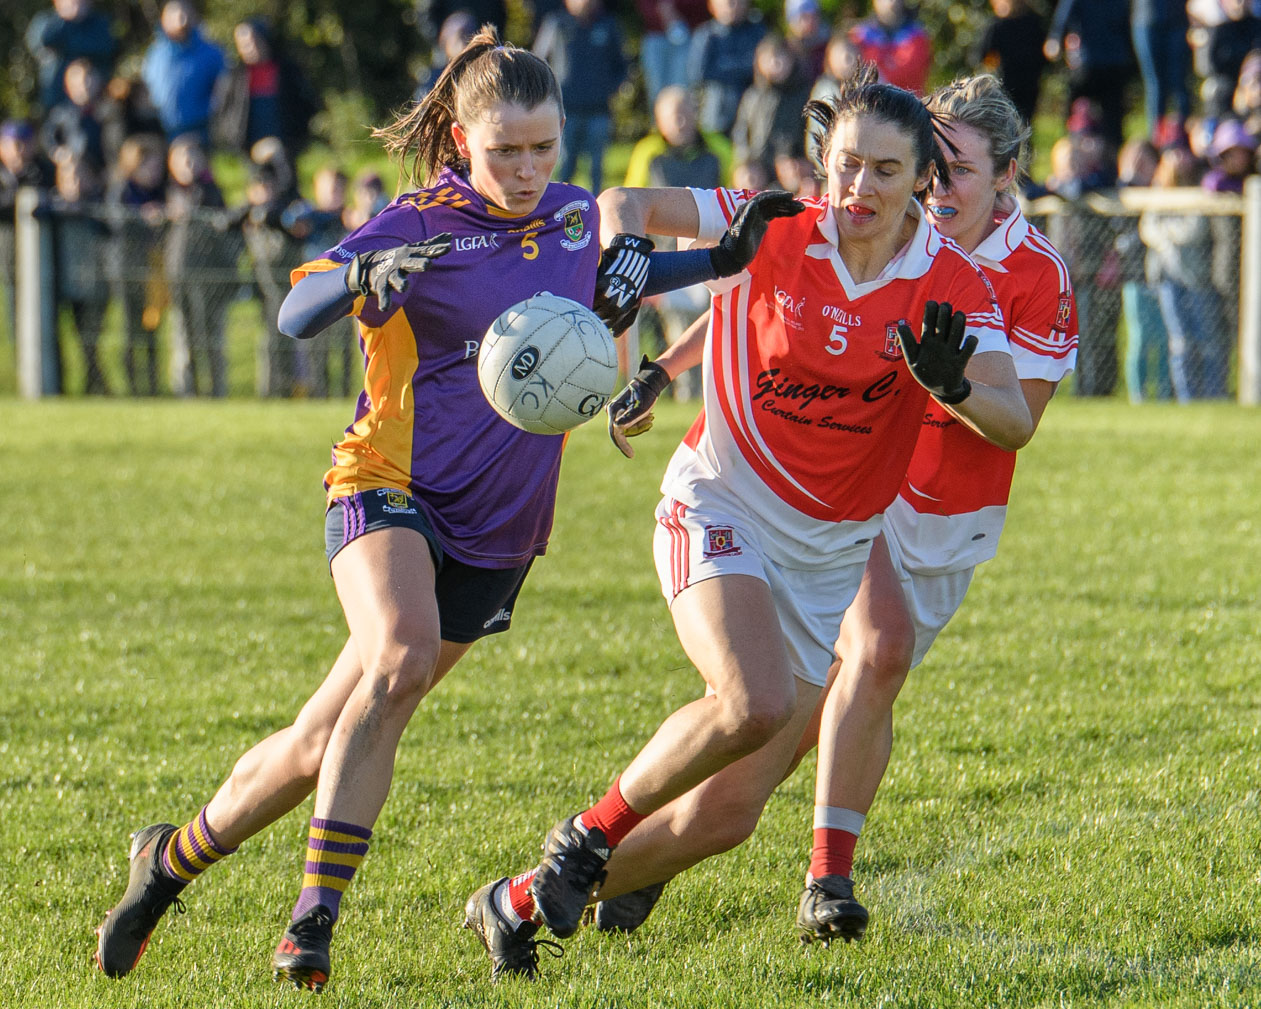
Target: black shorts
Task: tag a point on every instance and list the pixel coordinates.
(473, 602)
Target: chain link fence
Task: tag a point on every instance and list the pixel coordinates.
(150, 303)
(1157, 274)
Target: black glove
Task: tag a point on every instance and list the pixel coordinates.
(630, 411)
(739, 245)
(619, 281)
(386, 270)
(938, 359)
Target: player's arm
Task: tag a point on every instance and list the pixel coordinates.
(630, 411)
(996, 408)
(982, 391)
(648, 212)
(319, 299)
(630, 270)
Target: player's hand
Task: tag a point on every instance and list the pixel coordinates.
(620, 279)
(737, 247)
(939, 357)
(386, 270)
(630, 411)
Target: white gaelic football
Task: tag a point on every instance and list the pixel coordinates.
(547, 364)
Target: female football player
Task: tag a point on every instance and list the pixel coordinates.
(948, 514)
(950, 510)
(436, 506)
(773, 499)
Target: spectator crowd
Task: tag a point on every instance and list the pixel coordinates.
(138, 219)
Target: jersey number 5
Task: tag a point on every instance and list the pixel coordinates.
(837, 343)
(529, 247)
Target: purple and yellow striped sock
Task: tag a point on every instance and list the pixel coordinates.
(334, 851)
(192, 850)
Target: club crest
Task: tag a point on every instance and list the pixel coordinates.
(720, 541)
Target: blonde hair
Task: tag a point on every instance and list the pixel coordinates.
(983, 104)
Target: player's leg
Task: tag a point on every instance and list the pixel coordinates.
(386, 583)
(715, 816)
(876, 645)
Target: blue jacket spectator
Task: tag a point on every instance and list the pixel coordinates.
(720, 61)
(180, 70)
(71, 30)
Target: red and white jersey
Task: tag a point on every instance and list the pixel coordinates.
(951, 508)
(810, 414)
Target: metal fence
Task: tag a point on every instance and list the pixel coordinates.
(165, 292)
(1158, 278)
(1168, 286)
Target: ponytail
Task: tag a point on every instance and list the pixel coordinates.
(485, 72)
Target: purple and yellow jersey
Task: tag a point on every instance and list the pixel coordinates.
(421, 422)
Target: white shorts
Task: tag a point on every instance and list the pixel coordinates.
(931, 599)
(693, 544)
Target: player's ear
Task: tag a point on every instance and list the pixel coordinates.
(1004, 181)
(460, 136)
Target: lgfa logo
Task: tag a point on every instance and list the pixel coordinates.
(790, 309)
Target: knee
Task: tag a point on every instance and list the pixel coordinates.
(881, 658)
(403, 671)
(753, 719)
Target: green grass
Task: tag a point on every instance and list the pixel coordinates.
(1070, 817)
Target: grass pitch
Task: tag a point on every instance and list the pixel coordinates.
(1071, 816)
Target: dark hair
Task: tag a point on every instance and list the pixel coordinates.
(485, 72)
(863, 95)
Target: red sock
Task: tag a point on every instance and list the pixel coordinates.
(612, 815)
(519, 895)
(833, 852)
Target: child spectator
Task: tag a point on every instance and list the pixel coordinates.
(1147, 344)
(1010, 47)
(318, 226)
(181, 69)
(200, 261)
(768, 120)
(583, 44)
(679, 154)
(668, 27)
(136, 203)
(807, 36)
(720, 61)
(126, 111)
(1179, 266)
(895, 41)
(71, 30)
(1232, 152)
(266, 94)
(841, 62)
(73, 128)
(80, 243)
